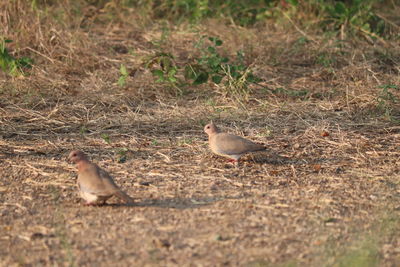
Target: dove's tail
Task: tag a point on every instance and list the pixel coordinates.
(257, 147)
(122, 195)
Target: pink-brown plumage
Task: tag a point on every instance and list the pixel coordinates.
(95, 184)
(229, 145)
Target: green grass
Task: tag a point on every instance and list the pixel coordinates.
(365, 255)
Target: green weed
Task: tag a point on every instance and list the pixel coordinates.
(165, 70)
(212, 66)
(106, 138)
(11, 65)
(343, 17)
(123, 75)
(352, 17)
(181, 10)
(234, 75)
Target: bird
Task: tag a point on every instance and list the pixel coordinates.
(229, 145)
(95, 185)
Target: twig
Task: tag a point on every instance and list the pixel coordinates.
(40, 54)
(298, 29)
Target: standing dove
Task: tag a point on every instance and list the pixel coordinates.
(95, 184)
(229, 145)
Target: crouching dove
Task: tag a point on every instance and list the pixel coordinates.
(229, 145)
(95, 184)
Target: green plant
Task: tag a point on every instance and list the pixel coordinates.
(178, 10)
(209, 64)
(123, 75)
(235, 74)
(244, 12)
(355, 16)
(164, 69)
(106, 138)
(168, 70)
(11, 65)
(241, 12)
(325, 59)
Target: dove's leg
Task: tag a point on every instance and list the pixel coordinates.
(235, 160)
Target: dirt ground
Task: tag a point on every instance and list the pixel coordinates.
(325, 193)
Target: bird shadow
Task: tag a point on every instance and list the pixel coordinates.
(174, 203)
(270, 158)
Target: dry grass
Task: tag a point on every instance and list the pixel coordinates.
(326, 193)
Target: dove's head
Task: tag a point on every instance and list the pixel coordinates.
(211, 129)
(76, 156)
